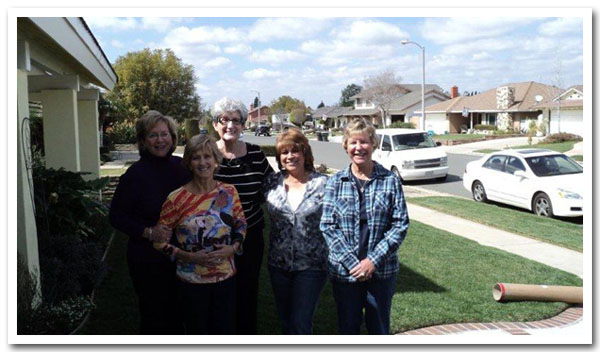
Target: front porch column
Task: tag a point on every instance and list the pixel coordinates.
(89, 143)
(27, 243)
(61, 130)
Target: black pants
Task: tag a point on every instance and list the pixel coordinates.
(248, 270)
(208, 309)
(156, 287)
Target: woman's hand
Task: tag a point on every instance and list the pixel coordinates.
(364, 270)
(158, 233)
(223, 252)
(201, 258)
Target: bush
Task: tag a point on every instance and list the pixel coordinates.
(121, 133)
(59, 319)
(269, 150)
(562, 137)
(399, 124)
(485, 128)
(26, 294)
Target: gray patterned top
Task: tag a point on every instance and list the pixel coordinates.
(296, 242)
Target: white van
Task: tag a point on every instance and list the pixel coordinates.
(411, 154)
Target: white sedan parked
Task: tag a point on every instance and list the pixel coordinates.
(546, 182)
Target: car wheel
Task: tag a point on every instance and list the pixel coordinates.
(479, 192)
(397, 173)
(542, 205)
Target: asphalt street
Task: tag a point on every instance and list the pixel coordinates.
(334, 156)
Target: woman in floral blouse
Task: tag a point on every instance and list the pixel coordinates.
(297, 252)
(209, 224)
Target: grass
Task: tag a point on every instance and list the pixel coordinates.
(560, 147)
(443, 279)
(456, 136)
(553, 231)
(112, 172)
(577, 157)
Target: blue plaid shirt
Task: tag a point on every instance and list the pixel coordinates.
(387, 219)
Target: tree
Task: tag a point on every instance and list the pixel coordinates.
(381, 89)
(348, 92)
(298, 116)
(321, 105)
(154, 80)
(286, 104)
(256, 102)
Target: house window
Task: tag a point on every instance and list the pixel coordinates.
(491, 119)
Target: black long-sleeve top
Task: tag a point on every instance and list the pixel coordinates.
(138, 199)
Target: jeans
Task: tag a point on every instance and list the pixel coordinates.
(375, 296)
(296, 296)
(208, 309)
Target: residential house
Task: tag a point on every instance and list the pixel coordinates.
(253, 115)
(565, 112)
(402, 109)
(510, 106)
(60, 67)
(334, 116)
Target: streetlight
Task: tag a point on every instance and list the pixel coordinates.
(259, 104)
(404, 42)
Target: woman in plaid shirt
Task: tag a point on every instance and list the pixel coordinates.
(364, 222)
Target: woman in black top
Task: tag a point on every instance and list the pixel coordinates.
(245, 166)
(135, 210)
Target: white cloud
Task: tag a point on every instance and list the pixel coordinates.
(160, 24)
(476, 46)
(338, 52)
(116, 43)
(286, 28)
(370, 32)
(114, 23)
(260, 73)
(461, 29)
(561, 26)
(239, 49)
(217, 62)
(275, 56)
(203, 34)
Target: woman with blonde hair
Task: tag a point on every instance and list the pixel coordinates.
(297, 250)
(135, 210)
(364, 223)
(209, 227)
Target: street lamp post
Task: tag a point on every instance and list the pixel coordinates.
(404, 42)
(259, 104)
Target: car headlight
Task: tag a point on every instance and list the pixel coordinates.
(444, 161)
(408, 164)
(568, 195)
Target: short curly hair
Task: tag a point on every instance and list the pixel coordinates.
(358, 126)
(228, 105)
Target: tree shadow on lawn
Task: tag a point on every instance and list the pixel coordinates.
(408, 280)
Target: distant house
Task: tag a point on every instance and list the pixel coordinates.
(565, 112)
(334, 116)
(253, 114)
(402, 109)
(60, 69)
(510, 106)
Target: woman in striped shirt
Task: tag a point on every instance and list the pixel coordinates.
(244, 165)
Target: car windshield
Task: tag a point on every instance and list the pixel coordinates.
(413, 141)
(552, 165)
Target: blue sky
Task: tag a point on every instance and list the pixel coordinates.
(313, 59)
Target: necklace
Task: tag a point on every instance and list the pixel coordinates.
(361, 183)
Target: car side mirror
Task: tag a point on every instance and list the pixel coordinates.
(386, 148)
(437, 144)
(520, 173)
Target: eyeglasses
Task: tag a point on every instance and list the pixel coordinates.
(223, 121)
(156, 135)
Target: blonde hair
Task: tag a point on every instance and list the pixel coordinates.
(296, 139)
(200, 142)
(147, 122)
(360, 125)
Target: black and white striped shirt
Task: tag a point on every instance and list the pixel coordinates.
(246, 173)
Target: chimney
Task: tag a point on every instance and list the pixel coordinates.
(251, 107)
(454, 92)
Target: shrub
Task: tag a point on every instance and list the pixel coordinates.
(485, 128)
(26, 294)
(60, 318)
(562, 137)
(399, 124)
(269, 150)
(121, 133)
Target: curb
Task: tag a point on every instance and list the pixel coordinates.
(567, 317)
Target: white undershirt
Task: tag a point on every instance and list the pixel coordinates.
(295, 196)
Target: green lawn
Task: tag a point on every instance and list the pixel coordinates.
(457, 136)
(559, 147)
(443, 279)
(553, 231)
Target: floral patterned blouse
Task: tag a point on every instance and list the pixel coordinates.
(296, 242)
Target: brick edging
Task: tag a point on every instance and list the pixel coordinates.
(568, 316)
